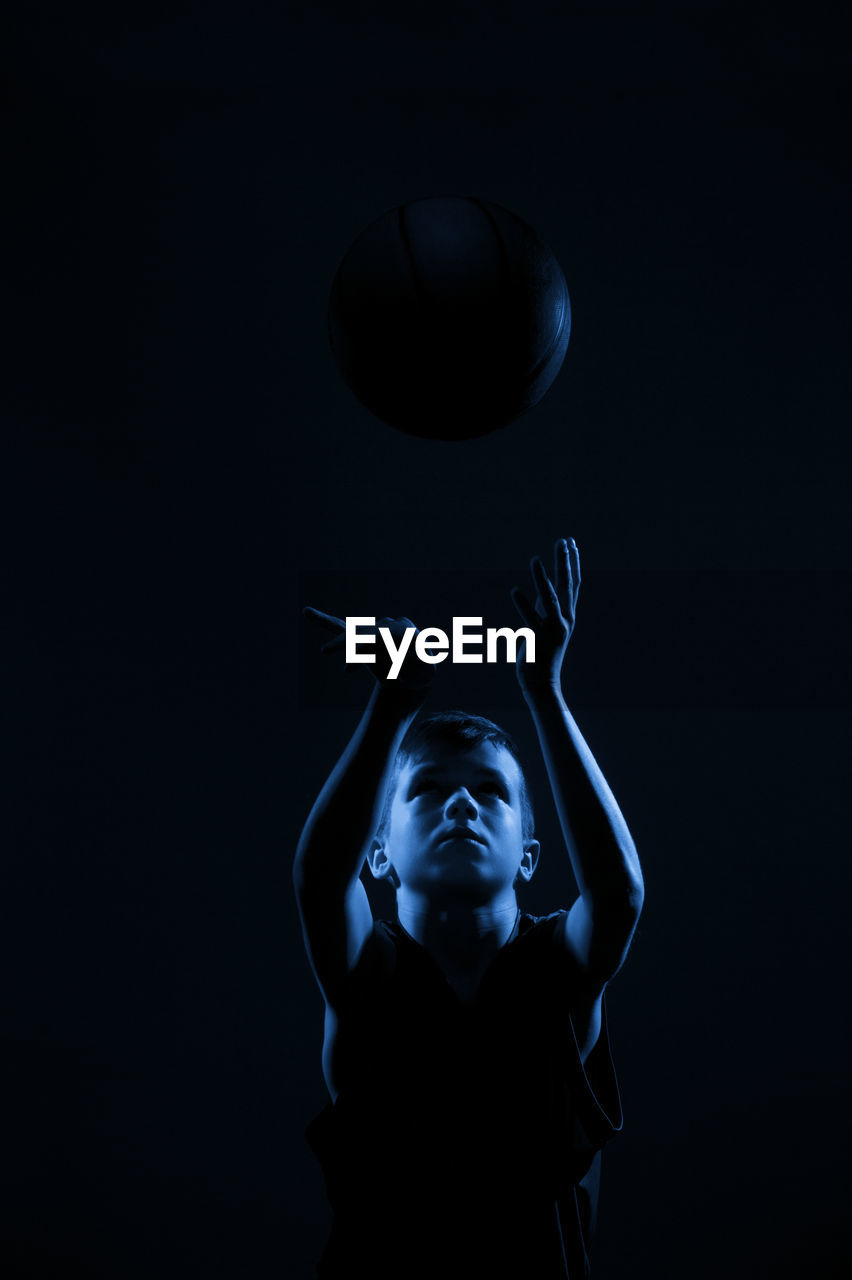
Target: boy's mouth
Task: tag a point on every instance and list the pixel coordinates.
(463, 833)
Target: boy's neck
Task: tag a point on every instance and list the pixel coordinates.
(462, 938)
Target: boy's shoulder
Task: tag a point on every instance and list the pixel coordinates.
(540, 927)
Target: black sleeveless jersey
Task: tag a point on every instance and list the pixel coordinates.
(466, 1138)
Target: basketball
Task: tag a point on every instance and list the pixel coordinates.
(449, 318)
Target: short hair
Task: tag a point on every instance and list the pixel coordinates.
(456, 731)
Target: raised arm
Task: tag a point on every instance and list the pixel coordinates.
(603, 856)
(333, 904)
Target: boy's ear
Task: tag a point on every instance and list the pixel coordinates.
(529, 861)
(380, 864)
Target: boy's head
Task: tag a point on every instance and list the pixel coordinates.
(457, 816)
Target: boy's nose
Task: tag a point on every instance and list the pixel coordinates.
(461, 803)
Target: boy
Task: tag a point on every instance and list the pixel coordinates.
(465, 1049)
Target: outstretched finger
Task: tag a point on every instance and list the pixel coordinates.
(562, 569)
(524, 608)
(327, 620)
(574, 557)
(546, 590)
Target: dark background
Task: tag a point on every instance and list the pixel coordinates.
(183, 468)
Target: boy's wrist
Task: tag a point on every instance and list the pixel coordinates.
(543, 695)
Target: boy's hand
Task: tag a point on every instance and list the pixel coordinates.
(552, 618)
(414, 676)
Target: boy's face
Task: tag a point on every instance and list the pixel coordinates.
(456, 824)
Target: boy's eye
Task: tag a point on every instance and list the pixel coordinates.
(492, 789)
(424, 785)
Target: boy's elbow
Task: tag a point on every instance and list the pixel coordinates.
(635, 893)
(621, 910)
(303, 875)
(633, 886)
(298, 873)
(618, 905)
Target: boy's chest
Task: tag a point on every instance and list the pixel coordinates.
(424, 1023)
(455, 1072)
